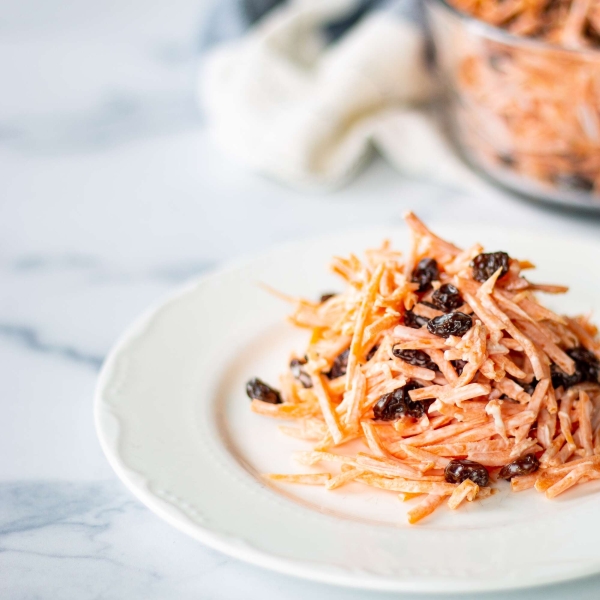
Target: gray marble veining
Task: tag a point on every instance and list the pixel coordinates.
(29, 337)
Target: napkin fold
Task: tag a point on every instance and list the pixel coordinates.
(304, 90)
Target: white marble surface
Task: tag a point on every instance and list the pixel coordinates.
(112, 195)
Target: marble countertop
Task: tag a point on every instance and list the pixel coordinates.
(111, 196)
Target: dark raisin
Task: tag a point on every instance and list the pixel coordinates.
(339, 366)
(455, 323)
(486, 264)
(587, 363)
(574, 181)
(371, 353)
(507, 160)
(457, 471)
(299, 373)
(396, 404)
(587, 368)
(413, 320)
(529, 387)
(522, 466)
(416, 409)
(447, 298)
(417, 358)
(326, 297)
(459, 365)
(424, 273)
(430, 304)
(259, 390)
(559, 378)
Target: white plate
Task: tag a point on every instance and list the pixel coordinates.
(175, 424)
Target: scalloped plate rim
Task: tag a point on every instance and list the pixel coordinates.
(223, 543)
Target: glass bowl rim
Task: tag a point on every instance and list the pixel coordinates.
(496, 33)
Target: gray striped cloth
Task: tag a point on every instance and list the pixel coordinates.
(230, 19)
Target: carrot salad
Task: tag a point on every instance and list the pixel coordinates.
(532, 110)
(435, 375)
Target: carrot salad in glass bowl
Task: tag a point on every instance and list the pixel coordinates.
(522, 82)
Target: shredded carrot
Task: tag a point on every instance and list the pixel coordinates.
(412, 398)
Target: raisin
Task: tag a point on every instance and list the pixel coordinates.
(417, 409)
(586, 369)
(529, 387)
(424, 273)
(430, 304)
(396, 404)
(339, 366)
(455, 323)
(458, 470)
(371, 353)
(447, 298)
(522, 466)
(259, 390)
(574, 181)
(413, 320)
(325, 297)
(417, 358)
(587, 363)
(486, 264)
(507, 160)
(299, 373)
(459, 365)
(559, 378)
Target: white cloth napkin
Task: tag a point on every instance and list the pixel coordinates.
(288, 105)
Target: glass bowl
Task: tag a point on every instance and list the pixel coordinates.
(523, 111)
